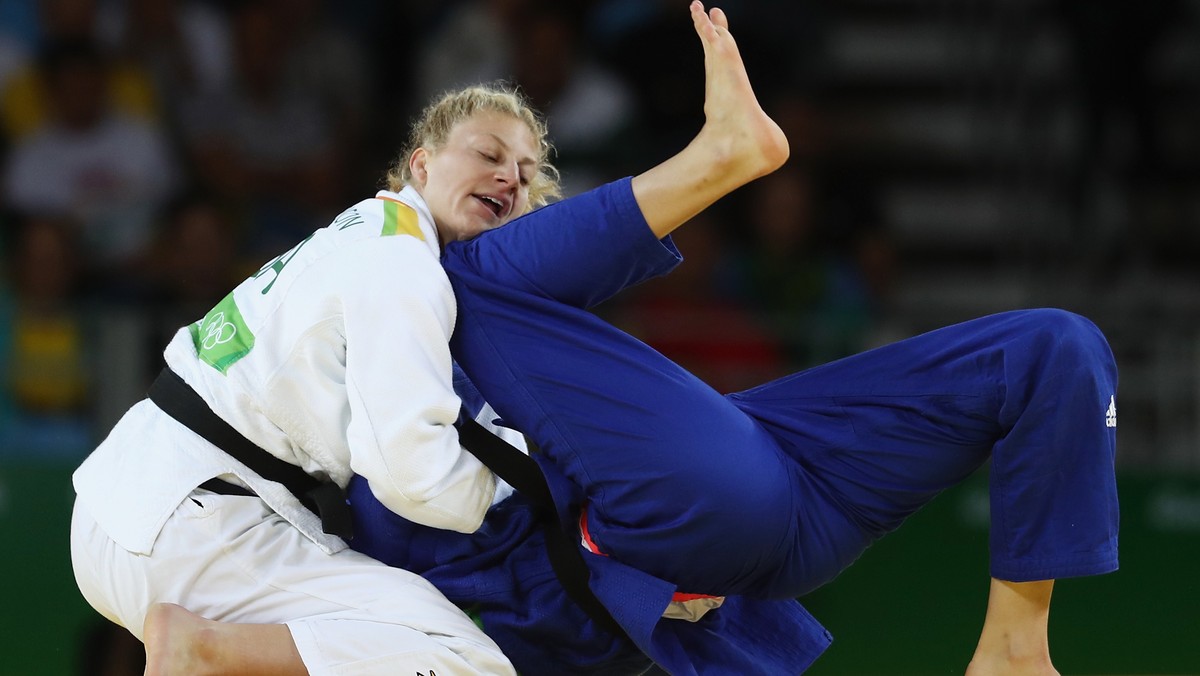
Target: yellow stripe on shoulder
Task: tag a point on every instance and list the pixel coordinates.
(400, 219)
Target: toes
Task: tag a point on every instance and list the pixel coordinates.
(704, 25)
(718, 17)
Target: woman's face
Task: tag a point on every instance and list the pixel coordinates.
(479, 179)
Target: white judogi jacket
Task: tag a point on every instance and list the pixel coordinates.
(334, 357)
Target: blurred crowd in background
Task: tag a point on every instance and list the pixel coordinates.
(949, 158)
(155, 152)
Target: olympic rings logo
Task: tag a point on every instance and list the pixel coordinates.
(218, 331)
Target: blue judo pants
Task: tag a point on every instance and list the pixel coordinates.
(771, 492)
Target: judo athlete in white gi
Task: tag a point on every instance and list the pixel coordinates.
(333, 358)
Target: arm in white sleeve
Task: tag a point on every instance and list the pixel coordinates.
(399, 313)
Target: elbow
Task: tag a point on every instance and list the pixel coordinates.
(462, 508)
(458, 523)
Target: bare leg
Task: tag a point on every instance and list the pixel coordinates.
(181, 642)
(1015, 636)
(737, 144)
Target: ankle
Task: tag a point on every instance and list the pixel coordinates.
(739, 155)
(1012, 649)
(986, 663)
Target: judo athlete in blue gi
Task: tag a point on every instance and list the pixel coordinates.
(759, 496)
(680, 494)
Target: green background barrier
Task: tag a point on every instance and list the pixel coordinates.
(912, 605)
(915, 602)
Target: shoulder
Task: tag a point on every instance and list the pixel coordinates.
(380, 247)
(385, 219)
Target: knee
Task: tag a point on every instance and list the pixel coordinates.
(1068, 341)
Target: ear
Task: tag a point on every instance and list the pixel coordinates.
(416, 164)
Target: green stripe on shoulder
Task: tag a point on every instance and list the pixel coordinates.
(400, 219)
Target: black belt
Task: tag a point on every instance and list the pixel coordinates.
(222, 487)
(176, 398)
(324, 498)
(524, 475)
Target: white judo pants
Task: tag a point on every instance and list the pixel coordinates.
(231, 558)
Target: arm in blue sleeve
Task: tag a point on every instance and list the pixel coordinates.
(580, 251)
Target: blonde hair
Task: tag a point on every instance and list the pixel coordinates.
(433, 127)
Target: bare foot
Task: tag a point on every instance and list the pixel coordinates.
(735, 123)
(174, 640)
(738, 143)
(179, 641)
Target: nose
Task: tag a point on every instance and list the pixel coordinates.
(508, 172)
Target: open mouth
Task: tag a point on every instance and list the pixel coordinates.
(492, 203)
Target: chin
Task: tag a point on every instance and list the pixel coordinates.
(469, 233)
(477, 230)
(458, 232)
